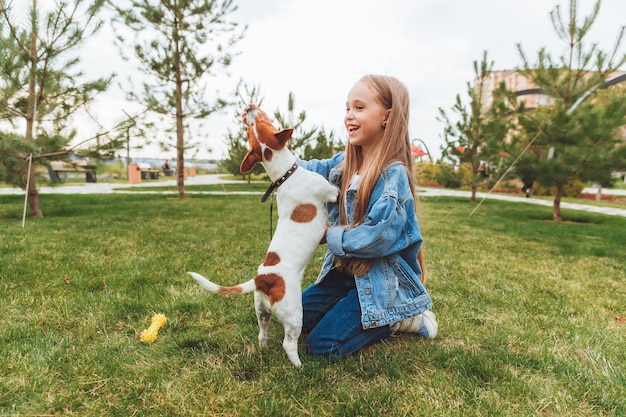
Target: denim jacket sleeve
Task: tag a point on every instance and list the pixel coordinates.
(390, 223)
(322, 166)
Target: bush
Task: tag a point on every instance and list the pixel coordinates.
(448, 177)
(426, 173)
(112, 171)
(571, 189)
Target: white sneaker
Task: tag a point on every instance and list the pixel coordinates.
(424, 324)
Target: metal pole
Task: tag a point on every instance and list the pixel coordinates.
(430, 158)
(30, 164)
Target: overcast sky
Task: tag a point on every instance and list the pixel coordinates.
(319, 49)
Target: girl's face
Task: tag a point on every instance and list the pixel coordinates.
(364, 118)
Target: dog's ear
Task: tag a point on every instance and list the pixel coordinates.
(249, 162)
(283, 136)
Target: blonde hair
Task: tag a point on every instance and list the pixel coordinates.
(394, 145)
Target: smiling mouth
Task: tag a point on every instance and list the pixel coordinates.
(352, 129)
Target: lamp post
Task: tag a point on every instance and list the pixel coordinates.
(128, 126)
(430, 158)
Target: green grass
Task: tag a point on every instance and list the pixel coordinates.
(528, 315)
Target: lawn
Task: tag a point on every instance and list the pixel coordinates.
(531, 315)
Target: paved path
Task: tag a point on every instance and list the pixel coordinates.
(108, 188)
(112, 188)
(548, 203)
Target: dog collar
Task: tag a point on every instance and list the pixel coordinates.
(279, 182)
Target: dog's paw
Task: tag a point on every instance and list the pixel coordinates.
(333, 195)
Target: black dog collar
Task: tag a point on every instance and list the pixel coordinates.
(279, 182)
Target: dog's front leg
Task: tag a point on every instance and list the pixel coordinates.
(290, 342)
(289, 312)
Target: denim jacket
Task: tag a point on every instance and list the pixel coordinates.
(391, 290)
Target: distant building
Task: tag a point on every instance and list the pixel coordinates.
(528, 92)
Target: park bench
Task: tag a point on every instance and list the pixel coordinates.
(58, 171)
(147, 172)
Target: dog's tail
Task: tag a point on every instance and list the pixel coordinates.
(218, 289)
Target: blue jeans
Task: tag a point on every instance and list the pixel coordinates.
(332, 318)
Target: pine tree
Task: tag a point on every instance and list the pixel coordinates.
(573, 138)
(325, 146)
(39, 84)
(179, 43)
(478, 134)
(301, 136)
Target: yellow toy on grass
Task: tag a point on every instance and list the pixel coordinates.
(150, 334)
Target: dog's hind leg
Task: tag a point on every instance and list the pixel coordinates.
(263, 318)
(264, 324)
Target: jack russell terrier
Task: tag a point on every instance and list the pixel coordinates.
(301, 196)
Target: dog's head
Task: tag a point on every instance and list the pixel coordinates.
(263, 137)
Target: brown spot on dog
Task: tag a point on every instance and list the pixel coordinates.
(229, 290)
(271, 259)
(304, 213)
(272, 285)
(267, 154)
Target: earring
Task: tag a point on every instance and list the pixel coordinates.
(384, 125)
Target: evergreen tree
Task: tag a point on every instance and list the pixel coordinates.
(179, 43)
(477, 136)
(325, 147)
(301, 136)
(39, 85)
(573, 138)
(601, 99)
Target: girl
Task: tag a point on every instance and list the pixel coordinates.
(370, 285)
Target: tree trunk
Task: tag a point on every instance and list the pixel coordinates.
(33, 194)
(474, 180)
(180, 117)
(599, 193)
(33, 197)
(557, 204)
(180, 145)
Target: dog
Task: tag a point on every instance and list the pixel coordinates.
(301, 197)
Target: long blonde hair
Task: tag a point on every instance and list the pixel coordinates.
(394, 145)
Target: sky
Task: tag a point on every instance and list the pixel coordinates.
(319, 49)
